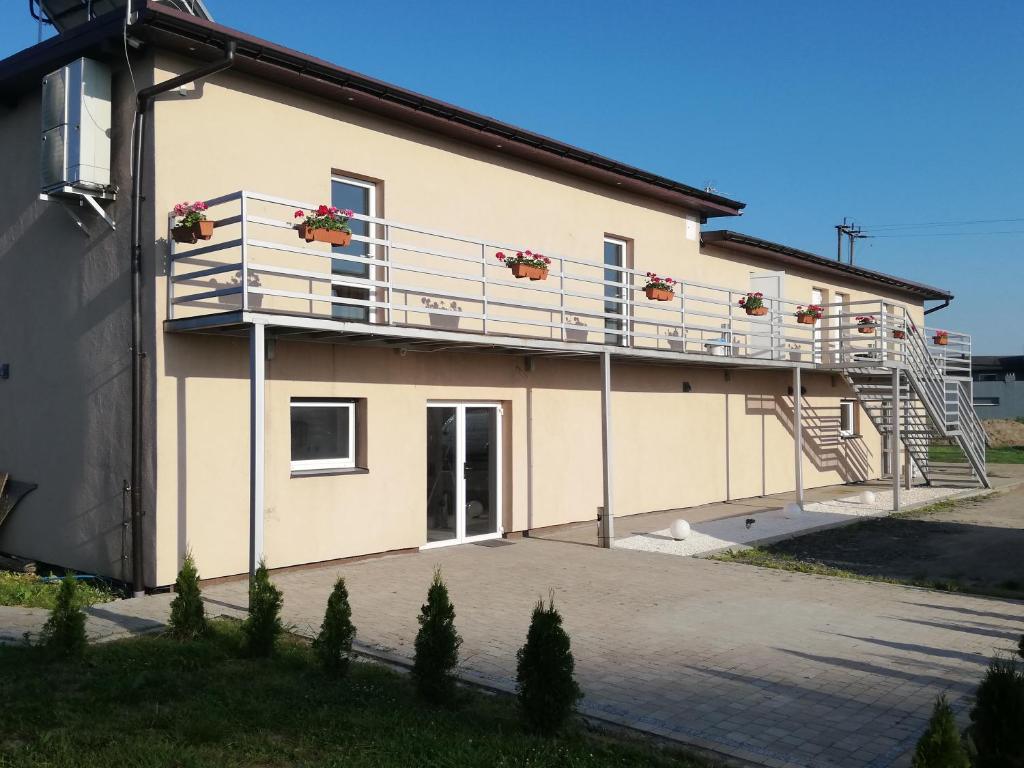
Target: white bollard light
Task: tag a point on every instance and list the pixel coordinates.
(680, 530)
(868, 497)
(792, 509)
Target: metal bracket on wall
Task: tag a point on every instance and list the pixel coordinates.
(69, 193)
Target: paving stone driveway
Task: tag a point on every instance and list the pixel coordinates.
(778, 668)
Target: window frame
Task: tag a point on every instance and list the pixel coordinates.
(852, 406)
(612, 335)
(307, 465)
(373, 271)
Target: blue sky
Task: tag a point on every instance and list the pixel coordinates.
(889, 113)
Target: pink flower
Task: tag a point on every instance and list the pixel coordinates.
(519, 254)
(199, 205)
(500, 256)
(300, 215)
(348, 213)
(528, 253)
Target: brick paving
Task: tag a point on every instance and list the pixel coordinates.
(777, 668)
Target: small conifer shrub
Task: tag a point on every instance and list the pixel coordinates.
(64, 632)
(437, 645)
(188, 615)
(940, 746)
(997, 719)
(334, 643)
(547, 689)
(263, 624)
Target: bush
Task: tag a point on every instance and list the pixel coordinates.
(940, 746)
(334, 643)
(263, 625)
(64, 631)
(997, 719)
(544, 675)
(188, 615)
(437, 645)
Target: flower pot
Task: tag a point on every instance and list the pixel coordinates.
(899, 334)
(942, 341)
(332, 236)
(201, 230)
(867, 329)
(759, 312)
(806, 319)
(519, 269)
(659, 294)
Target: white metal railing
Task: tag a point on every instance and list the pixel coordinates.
(418, 277)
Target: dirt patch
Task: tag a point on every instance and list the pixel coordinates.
(1004, 433)
(974, 545)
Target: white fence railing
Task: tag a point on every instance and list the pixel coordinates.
(398, 274)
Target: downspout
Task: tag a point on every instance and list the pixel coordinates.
(143, 100)
(943, 305)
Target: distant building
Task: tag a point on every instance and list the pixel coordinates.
(998, 386)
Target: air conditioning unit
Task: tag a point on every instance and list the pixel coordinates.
(76, 128)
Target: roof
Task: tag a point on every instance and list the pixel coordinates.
(173, 30)
(755, 246)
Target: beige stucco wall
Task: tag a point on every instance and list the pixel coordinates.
(64, 331)
(670, 447)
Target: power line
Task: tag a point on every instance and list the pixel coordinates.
(952, 234)
(943, 223)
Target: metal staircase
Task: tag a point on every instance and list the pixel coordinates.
(935, 397)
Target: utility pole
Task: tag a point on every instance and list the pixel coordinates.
(853, 233)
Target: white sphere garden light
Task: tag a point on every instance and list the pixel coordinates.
(680, 530)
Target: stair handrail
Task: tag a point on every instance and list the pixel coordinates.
(925, 375)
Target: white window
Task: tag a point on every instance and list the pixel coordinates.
(323, 434)
(847, 427)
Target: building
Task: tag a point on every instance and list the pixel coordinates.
(307, 402)
(998, 386)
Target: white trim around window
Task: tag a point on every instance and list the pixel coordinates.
(333, 462)
(847, 418)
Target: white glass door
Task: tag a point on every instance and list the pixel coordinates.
(463, 473)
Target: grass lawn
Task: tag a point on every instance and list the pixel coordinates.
(28, 590)
(765, 557)
(154, 702)
(951, 453)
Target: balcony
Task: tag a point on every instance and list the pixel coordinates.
(401, 283)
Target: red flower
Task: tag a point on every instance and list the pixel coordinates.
(519, 254)
(300, 215)
(501, 256)
(323, 210)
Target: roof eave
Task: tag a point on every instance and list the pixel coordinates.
(766, 249)
(198, 38)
